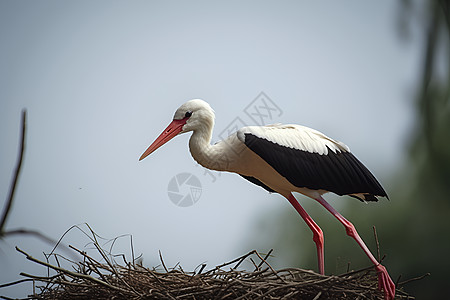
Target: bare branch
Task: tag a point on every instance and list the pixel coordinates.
(13, 186)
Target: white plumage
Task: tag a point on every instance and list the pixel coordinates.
(295, 137)
(283, 159)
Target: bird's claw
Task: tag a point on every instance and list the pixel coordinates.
(385, 283)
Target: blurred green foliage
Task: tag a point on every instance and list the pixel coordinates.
(413, 228)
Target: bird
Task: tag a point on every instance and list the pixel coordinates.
(283, 159)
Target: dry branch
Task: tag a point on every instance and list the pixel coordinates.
(13, 186)
(12, 189)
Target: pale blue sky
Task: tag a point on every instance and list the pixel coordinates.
(102, 79)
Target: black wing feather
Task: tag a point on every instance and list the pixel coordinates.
(338, 172)
(257, 182)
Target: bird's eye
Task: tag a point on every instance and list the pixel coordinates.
(188, 114)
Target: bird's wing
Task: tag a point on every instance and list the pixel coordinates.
(296, 137)
(309, 159)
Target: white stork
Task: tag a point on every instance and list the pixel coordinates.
(283, 159)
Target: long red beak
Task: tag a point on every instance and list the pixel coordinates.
(170, 132)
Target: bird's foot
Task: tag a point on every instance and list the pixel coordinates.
(385, 282)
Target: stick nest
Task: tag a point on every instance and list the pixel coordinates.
(105, 278)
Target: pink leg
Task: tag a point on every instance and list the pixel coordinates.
(317, 232)
(384, 281)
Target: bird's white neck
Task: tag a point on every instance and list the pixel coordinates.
(209, 156)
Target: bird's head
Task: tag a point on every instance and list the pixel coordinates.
(193, 115)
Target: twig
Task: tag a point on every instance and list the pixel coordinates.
(318, 295)
(203, 266)
(15, 282)
(273, 271)
(93, 263)
(265, 258)
(162, 261)
(72, 274)
(240, 259)
(414, 279)
(12, 190)
(356, 272)
(378, 244)
(36, 233)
